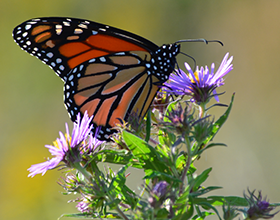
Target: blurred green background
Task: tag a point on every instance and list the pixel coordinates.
(32, 110)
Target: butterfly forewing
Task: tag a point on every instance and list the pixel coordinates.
(64, 43)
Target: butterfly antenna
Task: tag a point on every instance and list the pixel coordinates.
(197, 40)
(194, 61)
(200, 40)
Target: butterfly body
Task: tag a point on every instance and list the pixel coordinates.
(107, 72)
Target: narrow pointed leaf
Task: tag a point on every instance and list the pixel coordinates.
(218, 124)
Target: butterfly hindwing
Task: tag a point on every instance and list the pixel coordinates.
(110, 88)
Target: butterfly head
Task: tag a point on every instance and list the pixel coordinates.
(163, 61)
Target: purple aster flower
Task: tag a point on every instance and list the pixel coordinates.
(160, 188)
(201, 83)
(68, 148)
(84, 206)
(258, 207)
(158, 194)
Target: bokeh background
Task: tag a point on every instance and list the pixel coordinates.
(32, 110)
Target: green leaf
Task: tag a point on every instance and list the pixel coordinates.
(207, 205)
(119, 180)
(184, 198)
(116, 157)
(148, 126)
(231, 200)
(145, 153)
(91, 216)
(200, 179)
(218, 124)
(181, 162)
(203, 215)
(150, 174)
(202, 191)
(162, 214)
(117, 187)
(222, 200)
(211, 145)
(166, 137)
(184, 210)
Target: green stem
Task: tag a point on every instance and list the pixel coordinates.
(83, 171)
(189, 159)
(202, 112)
(89, 179)
(121, 213)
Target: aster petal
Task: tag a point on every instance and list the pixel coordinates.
(212, 69)
(81, 129)
(43, 167)
(67, 130)
(55, 151)
(215, 95)
(76, 131)
(223, 69)
(189, 68)
(63, 142)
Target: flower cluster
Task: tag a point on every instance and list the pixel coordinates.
(69, 149)
(175, 134)
(259, 207)
(201, 83)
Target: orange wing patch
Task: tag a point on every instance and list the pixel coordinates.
(99, 68)
(39, 29)
(101, 116)
(73, 48)
(101, 45)
(112, 44)
(86, 82)
(85, 56)
(125, 101)
(90, 107)
(142, 104)
(122, 76)
(124, 60)
(42, 37)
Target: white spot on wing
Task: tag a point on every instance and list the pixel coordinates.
(58, 60)
(61, 67)
(102, 59)
(66, 23)
(78, 31)
(49, 54)
(82, 26)
(71, 77)
(28, 26)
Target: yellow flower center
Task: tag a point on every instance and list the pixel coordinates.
(196, 77)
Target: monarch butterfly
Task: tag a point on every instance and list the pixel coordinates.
(107, 72)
